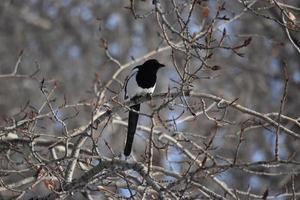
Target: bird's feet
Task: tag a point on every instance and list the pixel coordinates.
(136, 99)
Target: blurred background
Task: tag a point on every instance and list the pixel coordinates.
(66, 40)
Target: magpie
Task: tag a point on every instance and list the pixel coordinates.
(140, 82)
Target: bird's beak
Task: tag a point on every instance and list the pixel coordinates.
(162, 65)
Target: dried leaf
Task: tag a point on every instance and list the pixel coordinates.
(292, 17)
(103, 44)
(265, 195)
(223, 36)
(50, 184)
(247, 41)
(205, 11)
(238, 53)
(216, 67)
(209, 56)
(224, 32)
(221, 7)
(41, 173)
(224, 18)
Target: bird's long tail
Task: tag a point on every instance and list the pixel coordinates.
(132, 123)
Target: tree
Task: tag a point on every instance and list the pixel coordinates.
(222, 124)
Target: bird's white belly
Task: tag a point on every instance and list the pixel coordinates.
(134, 90)
(142, 92)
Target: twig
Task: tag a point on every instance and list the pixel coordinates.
(282, 102)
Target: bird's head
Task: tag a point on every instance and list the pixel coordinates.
(153, 63)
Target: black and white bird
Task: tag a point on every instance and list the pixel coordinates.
(140, 82)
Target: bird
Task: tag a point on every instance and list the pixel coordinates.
(140, 82)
